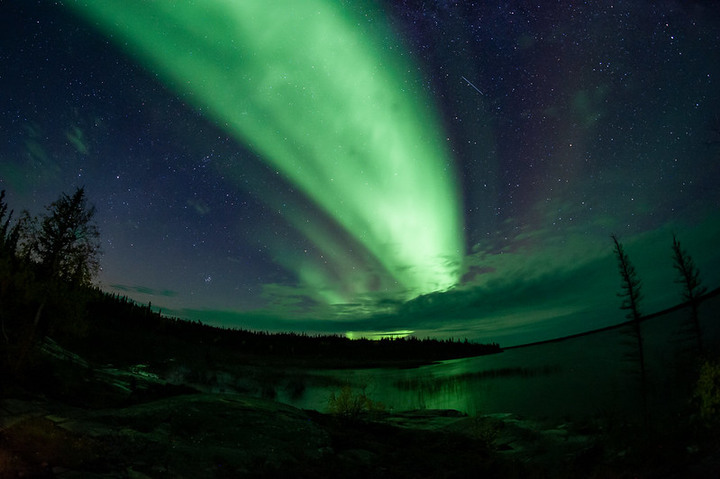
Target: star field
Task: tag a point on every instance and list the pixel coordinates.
(462, 179)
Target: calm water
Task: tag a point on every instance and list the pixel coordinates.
(571, 378)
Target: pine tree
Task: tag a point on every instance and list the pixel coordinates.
(689, 277)
(631, 293)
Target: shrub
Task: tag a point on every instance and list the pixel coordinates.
(707, 392)
(348, 404)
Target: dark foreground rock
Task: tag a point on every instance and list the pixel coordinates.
(215, 435)
(195, 435)
(226, 436)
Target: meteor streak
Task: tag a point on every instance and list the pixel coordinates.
(471, 84)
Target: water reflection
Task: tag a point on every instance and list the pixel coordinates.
(586, 375)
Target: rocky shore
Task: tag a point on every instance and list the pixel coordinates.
(77, 420)
(219, 435)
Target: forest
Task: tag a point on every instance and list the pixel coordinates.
(47, 266)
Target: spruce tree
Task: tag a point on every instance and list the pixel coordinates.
(631, 293)
(64, 246)
(688, 277)
(65, 241)
(9, 235)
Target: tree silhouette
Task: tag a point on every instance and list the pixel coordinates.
(631, 284)
(63, 246)
(65, 241)
(631, 294)
(689, 277)
(9, 236)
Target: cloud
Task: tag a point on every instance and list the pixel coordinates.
(289, 300)
(75, 136)
(199, 207)
(546, 287)
(504, 294)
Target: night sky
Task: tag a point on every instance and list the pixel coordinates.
(438, 168)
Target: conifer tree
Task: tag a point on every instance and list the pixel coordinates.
(64, 246)
(631, 293)
(9, 235)
(8, 243)
(692, 289)
(65, 241)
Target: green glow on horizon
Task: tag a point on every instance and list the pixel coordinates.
(378, 335)
(326, 103)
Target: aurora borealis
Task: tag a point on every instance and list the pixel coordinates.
(327, 105)
(446, 169)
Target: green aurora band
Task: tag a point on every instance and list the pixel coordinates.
(325, 101)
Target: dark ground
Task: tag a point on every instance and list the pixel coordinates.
(71, 423)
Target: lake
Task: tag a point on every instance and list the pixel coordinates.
(571, 378)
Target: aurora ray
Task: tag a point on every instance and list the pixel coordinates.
(325, 102)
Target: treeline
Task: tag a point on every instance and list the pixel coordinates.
(117, 316)
(46, 267)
